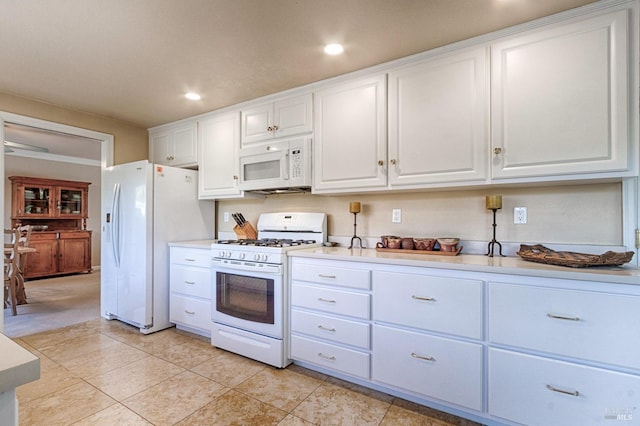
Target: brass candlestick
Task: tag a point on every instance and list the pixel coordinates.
(354, 207)
(494, 203)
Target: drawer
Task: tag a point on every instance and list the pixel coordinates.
(447, 305)
(191, 312)
(349, 361)
(328, 274)
(191, 281)
(330, 300)
(191, 257)
(587, 325)
(337, 330)
(435, 367)
(538, 391)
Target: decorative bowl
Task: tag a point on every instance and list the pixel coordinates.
(448, 244)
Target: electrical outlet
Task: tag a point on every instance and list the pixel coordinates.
(519, 215)
(226, 216)
(396, 216)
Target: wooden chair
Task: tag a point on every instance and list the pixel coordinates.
(23, 241)
(11, 237)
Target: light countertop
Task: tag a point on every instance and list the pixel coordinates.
(201, 244)
(476, 263)
(17, 365)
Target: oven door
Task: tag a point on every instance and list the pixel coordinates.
(248, 296)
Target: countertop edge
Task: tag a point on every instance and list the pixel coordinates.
(476, 263)
(18, 366)
(204, 244)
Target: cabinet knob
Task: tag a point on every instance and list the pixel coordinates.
(235, 177)
(497, 150)
(275, 128)
(269, 129)
(380, 163)
(393, 161)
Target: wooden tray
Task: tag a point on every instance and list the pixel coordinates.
(437, 252)
(541, 254)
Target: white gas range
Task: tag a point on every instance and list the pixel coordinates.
(250, 297)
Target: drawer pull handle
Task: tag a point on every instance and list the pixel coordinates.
(566, 392)
(326, 300)
(428, 299)
(562, 317)
(321, 327)
(190, 282)
(426, 358)
(333, 277)
(330, 358)
(189, 312)
(190, 260)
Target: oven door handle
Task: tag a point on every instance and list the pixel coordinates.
(222, 265)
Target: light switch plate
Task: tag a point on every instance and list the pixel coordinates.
(396, 216)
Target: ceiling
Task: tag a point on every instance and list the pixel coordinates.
(134, 60)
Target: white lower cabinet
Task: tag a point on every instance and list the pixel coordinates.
(496, 348)
(534, 390)
(446, 369)
(330, 315)
(190, 287)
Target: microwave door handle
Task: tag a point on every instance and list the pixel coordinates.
(285, 166)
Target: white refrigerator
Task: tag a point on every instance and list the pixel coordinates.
(144, 207)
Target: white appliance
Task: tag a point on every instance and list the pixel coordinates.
(282, 165)
(250, 297)
(144, 207)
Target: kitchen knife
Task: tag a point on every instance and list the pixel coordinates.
(236, 218)
(242, 219)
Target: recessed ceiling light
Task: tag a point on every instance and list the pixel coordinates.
(333, 49)
(192, 96)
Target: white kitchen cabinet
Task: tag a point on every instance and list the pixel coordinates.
(350, 147)
(560, 100)
(190, 289)
(330, 316)
(439, 120)
(434, 303)
(534, 390)
(566, 322)
(286, 117)
(174, 145)
(436, 367)
(218, 159)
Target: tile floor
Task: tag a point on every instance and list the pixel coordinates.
(106, 373)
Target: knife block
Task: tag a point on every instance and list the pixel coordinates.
(245, 232)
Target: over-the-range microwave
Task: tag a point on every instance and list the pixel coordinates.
(276, 165)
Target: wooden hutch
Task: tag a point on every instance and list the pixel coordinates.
(58, 212)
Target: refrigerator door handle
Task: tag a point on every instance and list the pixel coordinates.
(115, 227)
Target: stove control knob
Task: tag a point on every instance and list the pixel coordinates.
(256, 257)
(228, 254)
(221, 253)
(265, 257)
(241, 255)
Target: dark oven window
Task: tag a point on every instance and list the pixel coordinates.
(243, 297)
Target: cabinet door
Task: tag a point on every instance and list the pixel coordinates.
(256, 123)
(70, 202)
(438, 120)
(160, 146)
(74, 251)
(185, 146)
(219, 164)
(350, 149)
(560, 99)
(44, 261)
(33, 201)
(293, 116)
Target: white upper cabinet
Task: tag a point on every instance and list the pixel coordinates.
(439, 121)
(219, 166)
(350, 148)
(174, 145)
(287, 117)
(561, 100)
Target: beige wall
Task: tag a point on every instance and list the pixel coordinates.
(20, 166)
(571, 214)
(130, 141)
(130, 144)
